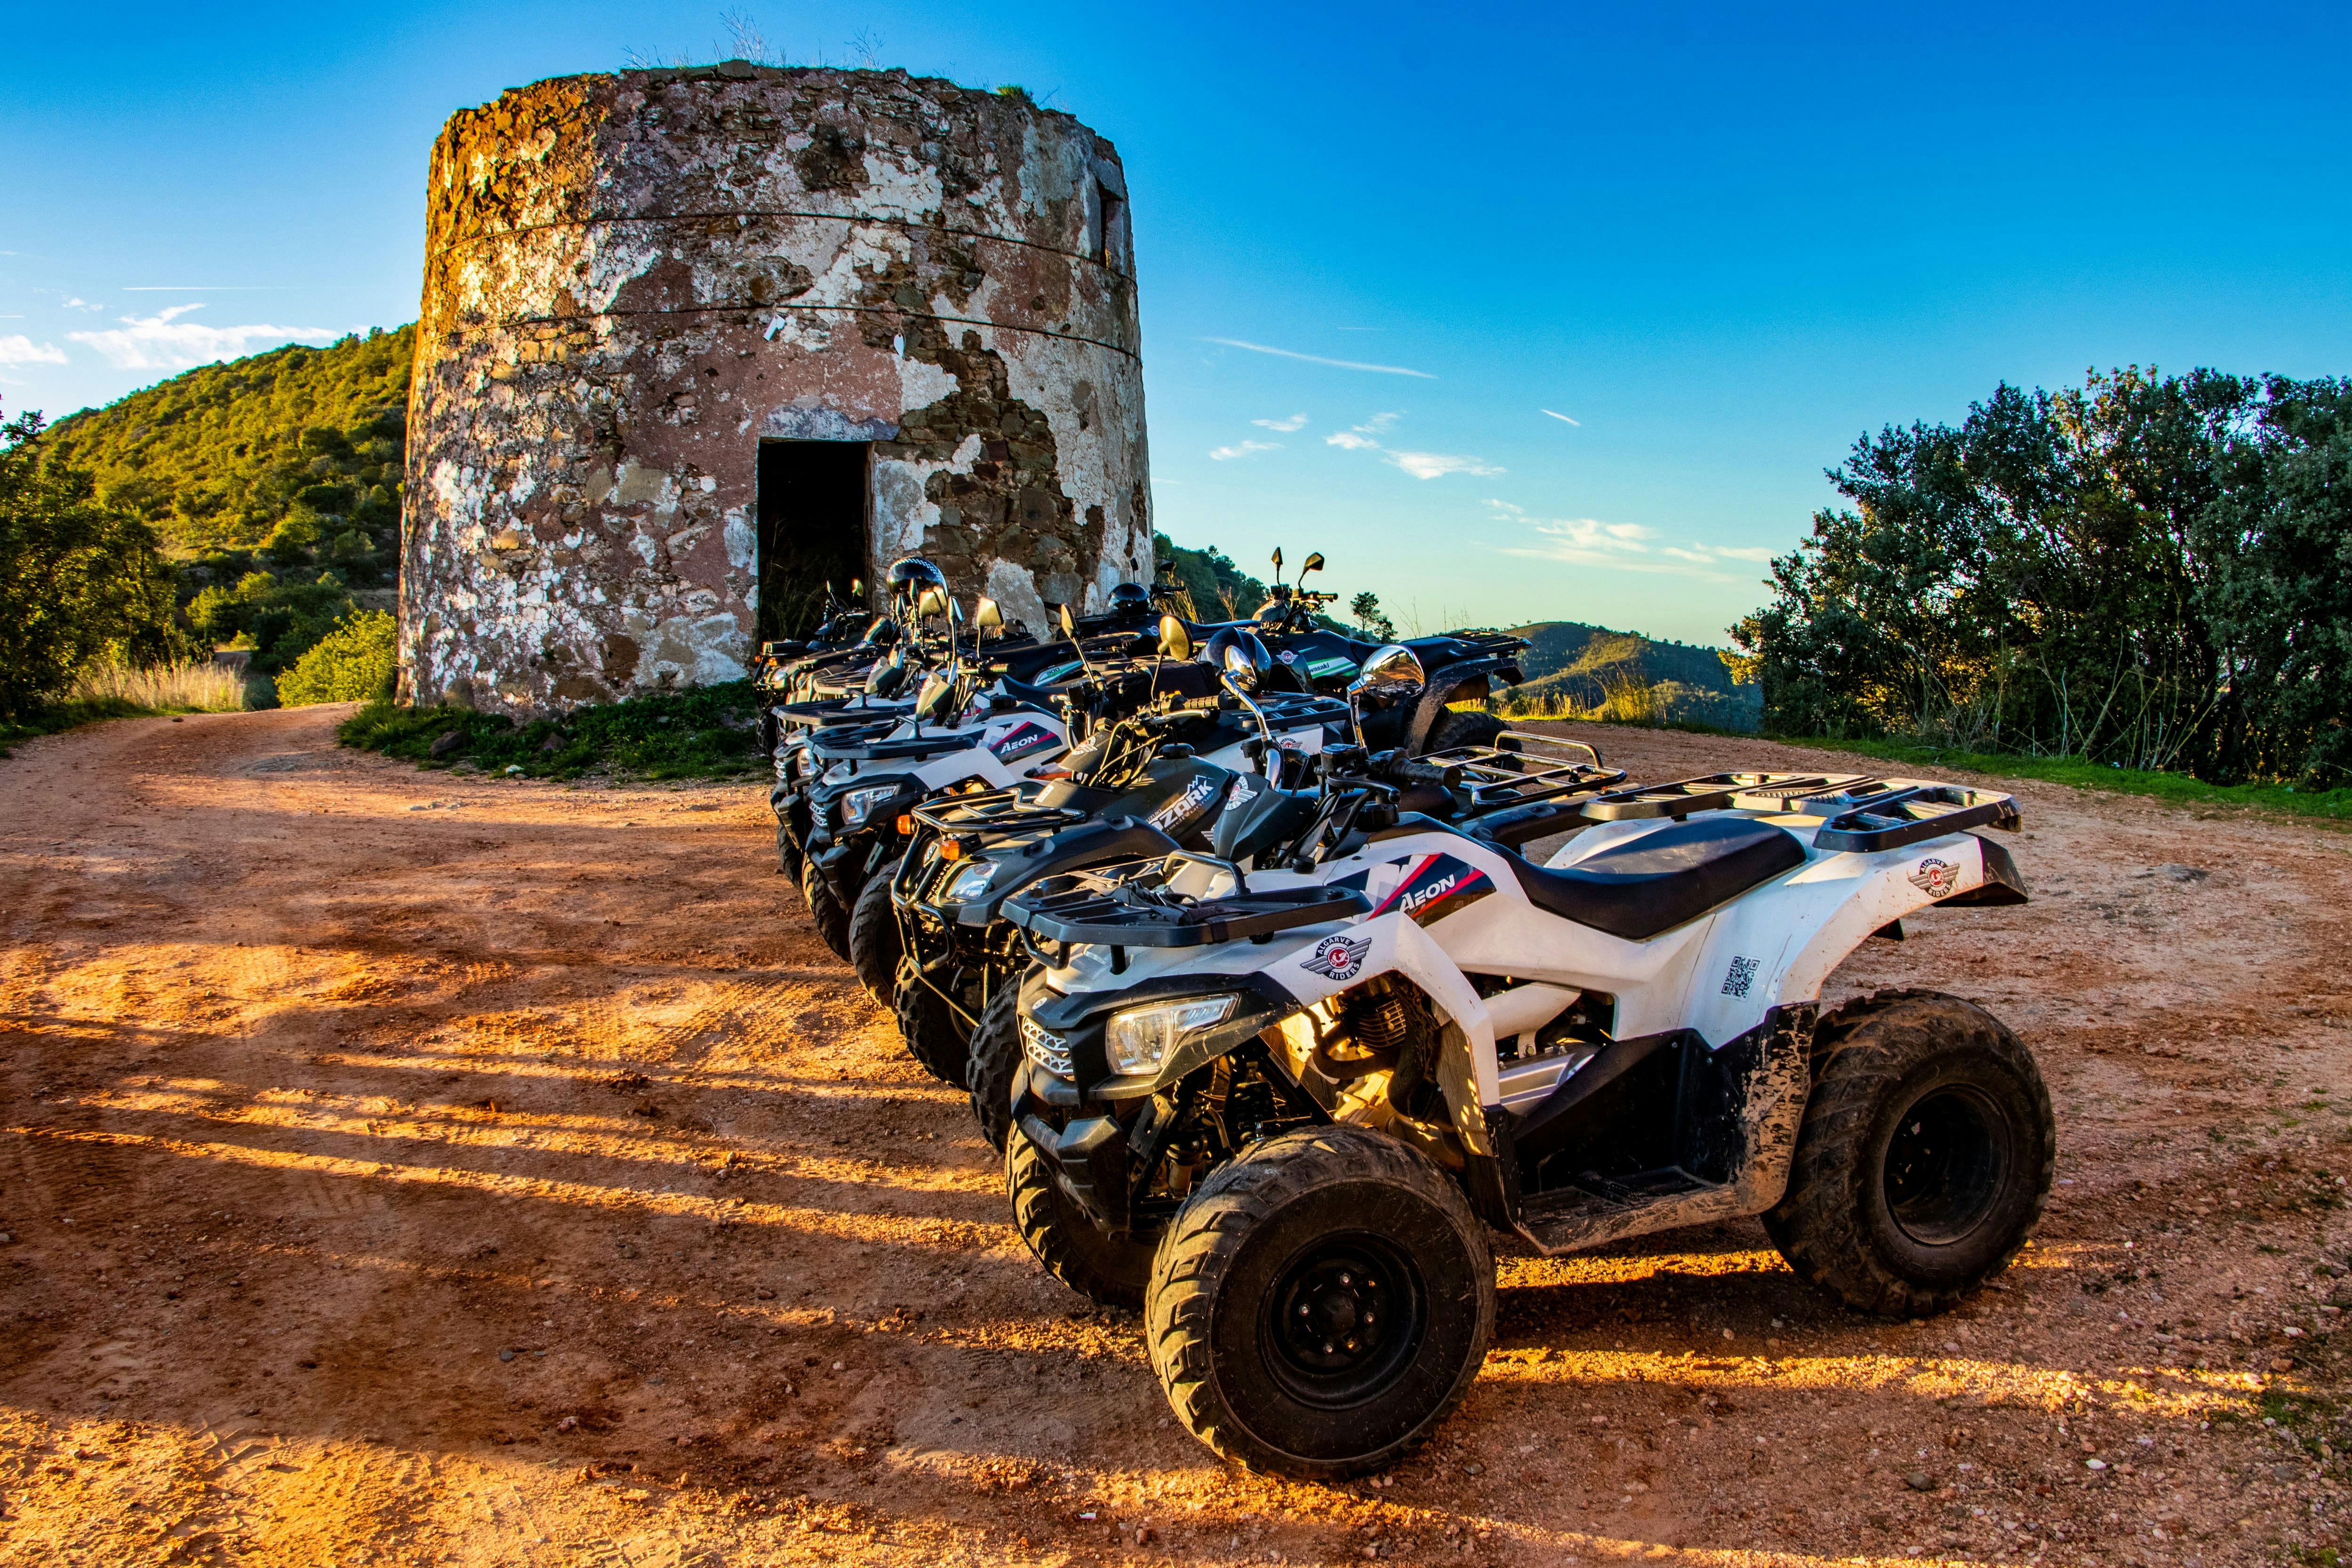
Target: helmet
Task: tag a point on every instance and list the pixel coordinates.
(1241, 655)
(1129, 596)
(911, 574)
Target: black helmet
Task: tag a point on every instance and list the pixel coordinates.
(912, 574)
(1129, 596)
(1241, 655)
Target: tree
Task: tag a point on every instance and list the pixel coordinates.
(2146, 570)
(1366, 607)
(77, 578)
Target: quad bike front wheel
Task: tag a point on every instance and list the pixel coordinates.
(934, 1037)
(995, 1057)
(874, 942)
(1113, 1270)
(1320, 1304)
(1925, 1157)
(1466, 727)
(832, 919)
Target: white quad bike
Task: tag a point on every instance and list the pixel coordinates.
(1279, 1109)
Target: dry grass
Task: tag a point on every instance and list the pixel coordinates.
(165, 688)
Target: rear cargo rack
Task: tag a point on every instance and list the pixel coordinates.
(1886, 814)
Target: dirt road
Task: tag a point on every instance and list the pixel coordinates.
(397, 1169)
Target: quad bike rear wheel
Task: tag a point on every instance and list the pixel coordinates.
(1320, 1304)
(874, 942)
(1466, 727)
(832, 919)
(934, 1035)
(788, 850)
(1113, 1270)
(1925, 1157)
(995, 1057)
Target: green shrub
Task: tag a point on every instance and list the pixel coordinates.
(353, 663)
(709, 731)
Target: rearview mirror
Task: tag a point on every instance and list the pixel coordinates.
(933, 696)
(986, 615)
(1069, 623)
(1314, 564)
(1391, 670)
(955, 611)
(1175, 640)
(932, 603)
(857, 590)
(1277, 560)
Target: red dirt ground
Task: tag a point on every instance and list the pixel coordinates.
(400, 1168)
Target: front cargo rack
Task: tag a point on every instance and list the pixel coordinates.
(1124, 910)
(1535, 768)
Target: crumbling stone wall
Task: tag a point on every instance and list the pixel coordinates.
(631, 278)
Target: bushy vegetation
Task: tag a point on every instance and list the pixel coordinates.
(2151, 571)
(356, 662)
(80, 578)
(708, 731)
(1220, 590)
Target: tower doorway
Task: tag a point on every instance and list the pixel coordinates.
(814, 513)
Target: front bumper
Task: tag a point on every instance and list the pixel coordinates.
(1102, 1140)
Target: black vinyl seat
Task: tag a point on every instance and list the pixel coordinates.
(1661, 878)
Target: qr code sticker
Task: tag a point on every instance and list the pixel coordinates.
(1742, 975)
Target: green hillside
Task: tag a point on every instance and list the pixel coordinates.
(273, 483)
(1587, 671)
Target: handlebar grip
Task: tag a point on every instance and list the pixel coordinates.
(1413, 771)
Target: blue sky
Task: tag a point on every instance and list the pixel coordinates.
(1635, 274)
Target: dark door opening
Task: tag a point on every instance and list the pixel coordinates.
(812, 518)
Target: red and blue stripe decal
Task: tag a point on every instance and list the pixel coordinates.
(1435, 885)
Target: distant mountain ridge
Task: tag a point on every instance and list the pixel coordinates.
(1577, 669)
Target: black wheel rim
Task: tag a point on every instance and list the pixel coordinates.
(1344, 1320)
(1944, 1165)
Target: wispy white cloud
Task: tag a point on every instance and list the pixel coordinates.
(1561, 417)
(77, 303)
(1437, 464)
(1296, 422)
(164, 342)
(1364, 437)
(18, 349)
(1319, 359)
(1242, 449)
(1624, 547)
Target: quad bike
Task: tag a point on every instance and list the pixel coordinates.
(1169, 778)
(1188, 766)
(1281, 1108)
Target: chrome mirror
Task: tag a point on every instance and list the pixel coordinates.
(1175, 638)
(1391, 670)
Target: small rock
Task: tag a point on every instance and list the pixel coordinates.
(6, 1239)
(2284, 1473)
(1474, 1468)
(1919, 1481)
(2173, 871)
(448, 742)
(514, 768)
(507, 1355)
(2094, 1464)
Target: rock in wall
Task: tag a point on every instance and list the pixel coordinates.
(631, 280)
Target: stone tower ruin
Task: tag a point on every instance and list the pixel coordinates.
(696, 342)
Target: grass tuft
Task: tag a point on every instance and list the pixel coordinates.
(2177, 789)
(708, 732)
(203, 687)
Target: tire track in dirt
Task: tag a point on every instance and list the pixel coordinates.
(520, 1166)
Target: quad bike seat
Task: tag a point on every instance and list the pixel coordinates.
(1655, 883)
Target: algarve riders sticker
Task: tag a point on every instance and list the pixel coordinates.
(1338, 957)
(1432, 887)
(1021, 739)
(1936, 878)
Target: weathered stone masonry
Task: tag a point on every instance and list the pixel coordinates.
(631, 278)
